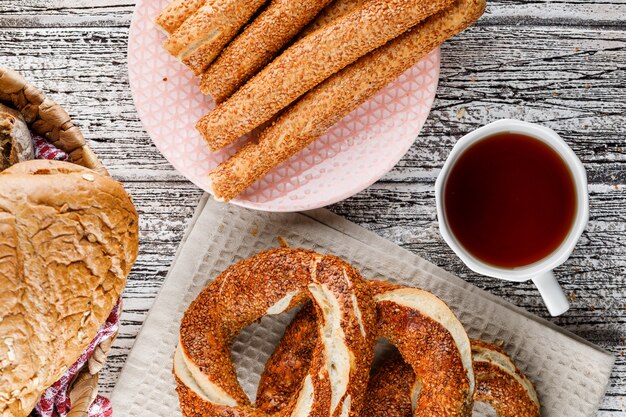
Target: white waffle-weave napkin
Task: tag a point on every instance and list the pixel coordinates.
(570, 374)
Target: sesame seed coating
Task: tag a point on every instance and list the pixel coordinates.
(501, 387)
(333, 11)
(202, 36)
(425, 343)
(257, 45)
(176, 13)
(289, 362)
(248, 290)
(329, 102)
(310, 61)
(390, 388)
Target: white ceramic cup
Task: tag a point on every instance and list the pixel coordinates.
(541, 271)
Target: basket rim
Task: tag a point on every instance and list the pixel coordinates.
(47, 118)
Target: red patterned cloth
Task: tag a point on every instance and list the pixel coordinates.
(55, 401)
(44, 150)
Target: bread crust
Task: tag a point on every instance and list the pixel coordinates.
(391, 386)
(335, 10)
(391, 390)
(501, 384)
(270, 283)
(257, 45)
(176, 13)
(309, 62)
(68, 239)
(428, 343)
(202, 36)
(16, 144)
(289, 363)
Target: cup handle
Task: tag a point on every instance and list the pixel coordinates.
(552, 293)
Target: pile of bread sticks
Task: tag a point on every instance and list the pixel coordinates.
(303, 65)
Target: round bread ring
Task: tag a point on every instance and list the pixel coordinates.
(391, 393)
(420, 325)
(498, 383)
(270, 283)
(501, 384)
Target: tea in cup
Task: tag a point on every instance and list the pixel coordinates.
(512, 203)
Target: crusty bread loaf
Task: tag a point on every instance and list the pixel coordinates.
(68, 239)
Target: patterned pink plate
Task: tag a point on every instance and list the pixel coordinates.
(352, 155)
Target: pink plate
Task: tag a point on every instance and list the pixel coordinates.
(352, 155)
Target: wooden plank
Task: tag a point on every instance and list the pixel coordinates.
(65, 13)
(117, 13)
(548, 12)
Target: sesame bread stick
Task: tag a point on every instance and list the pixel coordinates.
(176, 13)
(201, 37)
(333, 11)
(257, 45)
(336, 97)
(309, 62)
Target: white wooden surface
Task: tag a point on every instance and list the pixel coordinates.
(560, 63)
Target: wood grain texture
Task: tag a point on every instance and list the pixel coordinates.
(559, 63)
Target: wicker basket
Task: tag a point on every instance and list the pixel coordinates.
(50, 121)
(47, 119)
